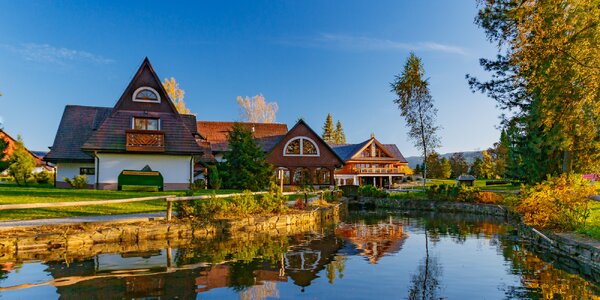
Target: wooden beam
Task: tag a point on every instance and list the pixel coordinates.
(80, 203)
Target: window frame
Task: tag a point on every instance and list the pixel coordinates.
(145, 118)
(139, 90)
(301, 140)
(82, 172)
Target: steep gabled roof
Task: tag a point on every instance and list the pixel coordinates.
(267, 135)
(351, 151)
(76, 126)
(178, 129)
(301, 122)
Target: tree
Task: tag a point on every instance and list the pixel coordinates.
(328, 130)
(445, 168)
(475, 169)
(433, 165)
(546, 79)
(3, 155)
(416, 106)
(458, 164)
(257, 110)
(21, 163)
(499, 154)
(339, 136)
(245, 166)
(176, 94)
(487, 166)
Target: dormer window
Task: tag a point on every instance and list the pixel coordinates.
(145, 124)
(146, 94)
(301, 146)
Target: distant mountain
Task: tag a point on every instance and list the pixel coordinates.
(469, 156)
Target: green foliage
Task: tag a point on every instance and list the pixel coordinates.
(245, 165)
(214, 179)
(3, 163)
(558, 203)
(458, 165)
(339, 137)
(78, 182)
(199, 184)
(416, 106)
(371, 191)
(21, 163)
(43, 177)
(328, 130)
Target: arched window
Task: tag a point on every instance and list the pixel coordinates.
(302, 176)
(301, 146)
(146, 94)
(285, 173)
(323, 176)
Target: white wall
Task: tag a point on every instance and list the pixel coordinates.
(71, 170)
(174, 168)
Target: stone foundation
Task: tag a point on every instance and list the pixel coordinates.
(91, 239)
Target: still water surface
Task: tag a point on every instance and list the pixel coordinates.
(372, 255)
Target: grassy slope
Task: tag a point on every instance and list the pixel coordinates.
(11, 194)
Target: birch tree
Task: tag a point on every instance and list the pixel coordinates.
(416, 106)
(176, 94)
(256, 109)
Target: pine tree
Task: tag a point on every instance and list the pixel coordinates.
(339, 136)
(3, 159)
(245, 165)
(328, 130)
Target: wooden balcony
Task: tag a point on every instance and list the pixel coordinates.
(145, 140)
(379, 170)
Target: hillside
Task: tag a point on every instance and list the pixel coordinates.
(469, 156)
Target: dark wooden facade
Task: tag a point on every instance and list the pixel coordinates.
(313, 169)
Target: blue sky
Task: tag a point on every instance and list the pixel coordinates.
(311, 57)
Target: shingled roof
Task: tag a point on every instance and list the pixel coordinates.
(76, 126)
(347, 151)
(267, 135)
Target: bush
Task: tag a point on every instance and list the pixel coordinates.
(199, 184)
(371, 191)
(43, 177)
(214, 180)
(78, 182)
(558, 203)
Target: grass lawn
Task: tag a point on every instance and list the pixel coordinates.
(593, 223)
(12, 194)
(480, 183)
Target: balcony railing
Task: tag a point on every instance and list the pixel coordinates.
(379, 170)
(145, 140)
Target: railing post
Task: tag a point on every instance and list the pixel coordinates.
(169, 209)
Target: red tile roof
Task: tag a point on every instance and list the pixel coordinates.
(216, 133)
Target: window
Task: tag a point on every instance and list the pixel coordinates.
(302, 176)
(301, 146)
(283, 173)
(146, 94)
(145, 124)
(323, 176)
(87, 171)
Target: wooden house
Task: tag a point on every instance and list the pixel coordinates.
(141, 136)
(370, 163)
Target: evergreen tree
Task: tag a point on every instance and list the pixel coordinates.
(328, 130)
(475, 169)
(434, 166)
(416, 106)
(245, 166)
(21, 163)
(339, 136)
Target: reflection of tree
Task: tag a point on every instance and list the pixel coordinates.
(338, 264)
(426, 282)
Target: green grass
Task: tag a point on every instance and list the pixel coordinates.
(592, 227)
(480, 183)
(12, 194)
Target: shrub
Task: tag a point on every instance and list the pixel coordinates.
(199, 184)
(488, 198)
(78, 182)
(558, 203)
(299, 204)
(214, 180)
(371, 191)
(43, 177)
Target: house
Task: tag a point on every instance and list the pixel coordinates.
(141, 140)
(466, 180)
(370, 163)
(299, 155)
(37, 156)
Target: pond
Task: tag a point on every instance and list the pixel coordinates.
(371, 255)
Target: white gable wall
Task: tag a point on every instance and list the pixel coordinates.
(71, 170)
(175, 169)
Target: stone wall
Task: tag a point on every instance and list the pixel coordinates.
(563, 249)
(90, 239)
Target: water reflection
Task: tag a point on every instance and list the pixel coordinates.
(423, 256)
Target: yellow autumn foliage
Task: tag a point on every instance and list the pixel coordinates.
(559, 203)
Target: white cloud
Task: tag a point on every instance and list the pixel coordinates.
(363, 43)
(51, 54)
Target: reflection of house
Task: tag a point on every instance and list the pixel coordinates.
(370, 163)
(219, 276)
(142, 129)
(299, 154)
(37, 156)
(374, 241)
